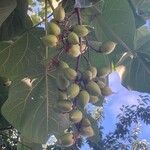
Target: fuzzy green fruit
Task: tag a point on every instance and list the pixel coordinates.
(94, 99)
(85, 122)
(62, 95)
(50, 40)
(101, 84)
(87, 75)
(59, 13)
(64, 106)
(103, 72)
(108, 47)
(106, 91)
(66, 140)
(73, 38)
(5, 81)
(83, 98)
(74, 51)
(70, 73)
(87, 131)
(94, 71)
(75, 116)
(54, 29)
(81, 30)
(93, 88)
(63, 65)
(62, 82)
(73, 90)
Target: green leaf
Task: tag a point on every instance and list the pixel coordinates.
(6, 8)
(29, 146)
(113, 20)
(29, 107)
(85, 3)
(138, 68)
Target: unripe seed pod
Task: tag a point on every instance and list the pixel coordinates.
(59, 13)
(83, 98)
(50, 40)
(64, 106)
(106, 91)
(73, 91)
(74, 51)
(103, 72)
(73, 38)
(62, 82)
(94, 71)
(66, 140)
(87, 131)
(85, 122)
(62, 95)
(54, 29)
(75, 116)
(94, 99)
(63, 64)
(87, 75)
(93, 88)
(5, 81)
(101, 84)
(108, 47)
(70, 73)
(81, 30)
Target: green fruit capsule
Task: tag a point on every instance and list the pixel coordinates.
(62, 83)
(87, 75)
(83, 98)
(66, 140)
(62, 95)
(94, 71)
(85, 122)
(50, 40)
(73, 90)
(54, 29)
(87, 131)
(64, 106)
(63, 65)
(73, 38)
(59, 13)
(106, 91)
(101, 84)
(103, 72)
(81, 30)
(108, 47)
(70, 73)
(75, 116)
(93, 88)
(94, 99)
(74, 51)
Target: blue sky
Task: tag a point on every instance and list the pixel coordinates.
(121, 97)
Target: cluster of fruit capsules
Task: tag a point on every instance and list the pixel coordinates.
(71, 97)
(68, 36)
(74, 95)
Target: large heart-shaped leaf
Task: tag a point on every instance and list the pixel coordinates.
(29, 107)
(112, 20)
(29, 146)
(6, 8)
(138, 69)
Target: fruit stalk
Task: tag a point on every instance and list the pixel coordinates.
(77, 10)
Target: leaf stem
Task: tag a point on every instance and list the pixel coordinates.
(46, 69)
